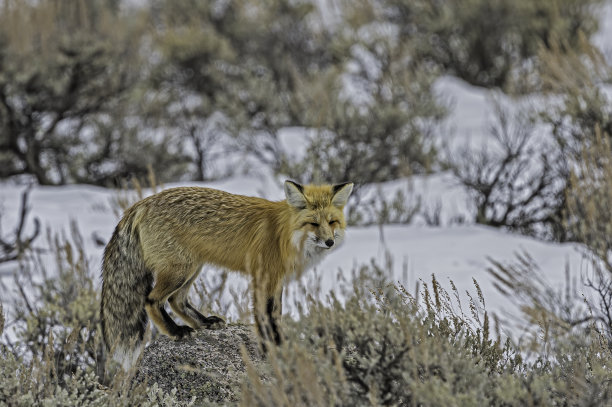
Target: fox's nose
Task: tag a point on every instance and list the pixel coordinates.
(329, 242)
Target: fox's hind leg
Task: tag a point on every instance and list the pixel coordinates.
(165, 285)
(179, 302)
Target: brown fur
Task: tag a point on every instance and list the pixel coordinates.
(167, 237)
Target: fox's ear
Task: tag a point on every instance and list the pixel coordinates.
(295, 194)
(341, 194)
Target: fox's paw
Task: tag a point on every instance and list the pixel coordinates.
(182, 331)
(213, 322)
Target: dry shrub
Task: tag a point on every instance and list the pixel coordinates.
(381, 345)
(588, 217)
(567, 335)
(379, 208)
(58, 357)
(491, 43)
(67, 72)
(384, 346)
(61, 302)
(569, 329)
(571, 69)
(589, 197)
(574, 80)
(379, 127)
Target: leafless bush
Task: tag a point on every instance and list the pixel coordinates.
(13, 247)
(515, 183)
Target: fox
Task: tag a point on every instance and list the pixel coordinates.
(162, 242)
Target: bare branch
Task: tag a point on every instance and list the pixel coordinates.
(13, 248)
(511, 186)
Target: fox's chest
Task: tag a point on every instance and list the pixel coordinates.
(312, 256)
(309, 255)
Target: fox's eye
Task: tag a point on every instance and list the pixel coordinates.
(316, 225)
(331, 222)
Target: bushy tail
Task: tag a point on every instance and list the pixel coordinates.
(126, 282)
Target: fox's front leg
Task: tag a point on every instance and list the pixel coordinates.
(274, 310)
(268, 310)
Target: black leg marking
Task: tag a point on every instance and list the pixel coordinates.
(143, 322)
(208, 322)
(272, 322)
(175, 330)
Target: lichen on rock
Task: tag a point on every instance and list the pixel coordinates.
(208, 366)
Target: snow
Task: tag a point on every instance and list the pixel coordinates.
(457, 252)
(435, 192)
(602, 38)
(294, 141)
(470, 110)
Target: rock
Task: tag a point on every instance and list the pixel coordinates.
(208, 365)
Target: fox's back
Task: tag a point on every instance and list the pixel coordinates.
(206, 209)
(195, 224)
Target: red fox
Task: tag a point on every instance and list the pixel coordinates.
(160, 245)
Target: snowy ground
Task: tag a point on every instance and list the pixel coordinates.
(457, 252)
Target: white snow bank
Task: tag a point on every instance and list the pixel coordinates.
(456, 252)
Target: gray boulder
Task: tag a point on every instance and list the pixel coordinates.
(209, 365)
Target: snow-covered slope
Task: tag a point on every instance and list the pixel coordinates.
(451, 252)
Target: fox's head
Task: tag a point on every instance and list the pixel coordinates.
(320, 218)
